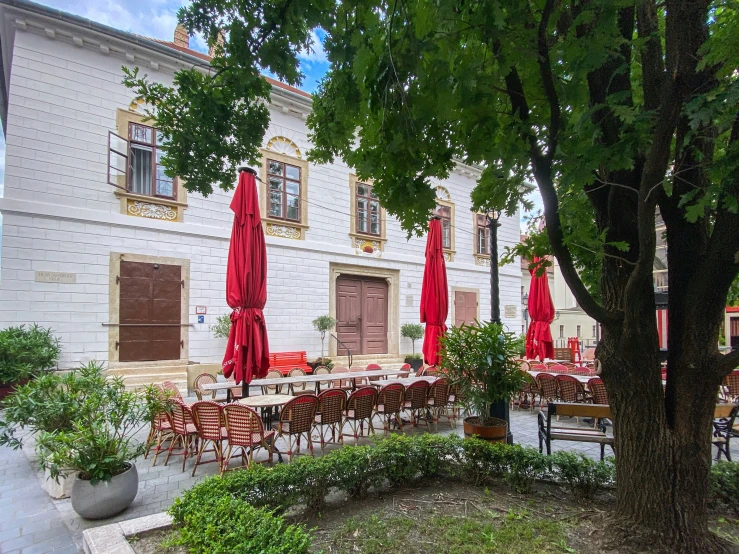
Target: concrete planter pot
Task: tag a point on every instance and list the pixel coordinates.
(496, 432)
(62, 489)
(105, 499)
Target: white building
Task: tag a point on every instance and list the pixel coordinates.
(123, 276)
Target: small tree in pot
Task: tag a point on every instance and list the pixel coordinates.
(414, 332)
(480, 361)
(323, 324)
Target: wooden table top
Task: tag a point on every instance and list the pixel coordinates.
(310, 379)
(266, 400)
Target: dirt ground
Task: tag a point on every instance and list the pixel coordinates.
(453, 518)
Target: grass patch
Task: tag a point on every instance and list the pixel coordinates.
(515, 532)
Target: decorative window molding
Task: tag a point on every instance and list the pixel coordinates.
(278, 227)
(152, 206)
(283, 145)
(365, 244)
(480, 239)
(445, 209)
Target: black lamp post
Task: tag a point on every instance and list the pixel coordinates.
(525, 308)
(500, 408)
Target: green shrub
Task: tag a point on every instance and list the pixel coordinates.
(584, 476)
(724, 484)
(222, 327)
(525, 466)
(26, 351)
(485, 461)
(226, 525)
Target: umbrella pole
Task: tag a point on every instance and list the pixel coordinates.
(244, 388)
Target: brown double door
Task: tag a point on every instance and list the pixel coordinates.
(150, 312)
(465, 307)
(361, 315)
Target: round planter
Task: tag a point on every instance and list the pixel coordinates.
(493, 433)
(106, 498)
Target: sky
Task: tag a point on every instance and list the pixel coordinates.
(158, 19)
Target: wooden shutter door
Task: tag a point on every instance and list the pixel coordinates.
(348, 310)
(374, 317)
(465, 307)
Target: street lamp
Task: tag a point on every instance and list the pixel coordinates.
(499, 409)
(525, 307)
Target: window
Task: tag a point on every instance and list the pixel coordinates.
(561, 331)
(368, 210)
(445, 213)
(594, 331)
(482, 238)
(284, 190)
(578, 331)
(135, 164)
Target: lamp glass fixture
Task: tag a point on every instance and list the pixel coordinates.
(493, 214)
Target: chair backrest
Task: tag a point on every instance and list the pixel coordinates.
(598, 390)
(362, 401)
(300, 413)
(581, 370)
(525, 366)
(272, 374)
(208, 417)
(439, 391)
(204, 379)
(170, 386)
(405, 367)
(242, 425)
(331, 405)
(416, 394)
(538, 367)
(373, 367)
(569, 389)
(732, 383)
(340, 382)
(547, 385)
(179, 418)
(557, 368)
(297, 372)
(358, 369)
(421, 372)
(529, 380)
(321, 370)
(390, 397)
(433, 371)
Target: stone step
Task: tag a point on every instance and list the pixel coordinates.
(132, 371)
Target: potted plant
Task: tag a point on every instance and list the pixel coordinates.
(25, 352)
(99, 445)
(413, 331)
(480, 361)
(323, 324)
(222, 326)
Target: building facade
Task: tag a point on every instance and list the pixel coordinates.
(128, 267)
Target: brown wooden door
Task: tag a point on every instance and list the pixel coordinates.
(734, 330)
(361, 315)
(465, 307)
(150, 312)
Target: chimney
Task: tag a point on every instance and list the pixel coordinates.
(181, 38)
(219, 42)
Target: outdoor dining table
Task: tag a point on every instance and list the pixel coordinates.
(317, 379)
(267, 404)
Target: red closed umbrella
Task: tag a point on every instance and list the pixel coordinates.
(247, 352)
(541, 310)
(434, 294)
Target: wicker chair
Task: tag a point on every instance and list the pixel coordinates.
(206, 379)
(437, 401)
(406, 369)
(421, 371)
(731, 387)
(538, 367)
(211, 426)
(524, 365)
(569, 389)
(296, 419)
(389, 405)
(159, 433)
(373, 367)
(558, 368)
(547, 388)
(341, 383)
(581, 370)
(528, 392)
(598, 390)
(455, 402)
(297, 388)
(433, 371)
(172, 390)
(330, 415)
(359, 408)
(236, 392)
(184, 433)
(359, 382)
(244, 430)
(272, 389)
(415, 401)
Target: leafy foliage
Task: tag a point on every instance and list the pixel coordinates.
(480, 360)
(323, 324)
(26, 352)
(413, 331)
(724, 484)
(222, 327)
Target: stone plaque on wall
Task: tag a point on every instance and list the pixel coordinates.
(55, 277)
(510, 310)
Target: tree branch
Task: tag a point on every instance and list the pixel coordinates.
(653, 69)
(545, 70)
(727, 362)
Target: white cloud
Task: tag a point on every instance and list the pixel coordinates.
(316, 53)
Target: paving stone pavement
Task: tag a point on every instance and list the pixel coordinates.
(32, 523)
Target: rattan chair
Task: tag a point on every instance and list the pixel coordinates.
(172, 390)
(569, 389)
(547, 388)
(731, 387)
(297, 388)
(359, 408)
(272, 389)
(358, 382)
(524, 365)
(159, 433)
(414, 401)
(296, 419)
(237, 392)
(330, 415)
(598, 390)
(455, 402)
(406, 369)
(433, 371)
(437, 401)
(581, 370)
(340, 383)
(211, 426)
(558, 368)
(206, 379)
(184, 433)
(389, 405)
(373, 367)
(245, 431)
(528, 392)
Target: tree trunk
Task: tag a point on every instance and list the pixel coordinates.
(662, 470)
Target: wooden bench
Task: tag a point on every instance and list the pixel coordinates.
(548, 433)
(285, 361)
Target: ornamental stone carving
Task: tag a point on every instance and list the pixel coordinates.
(283, 231)
(151, 211)
(482, 260)
(368, 248)
(448, 257)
